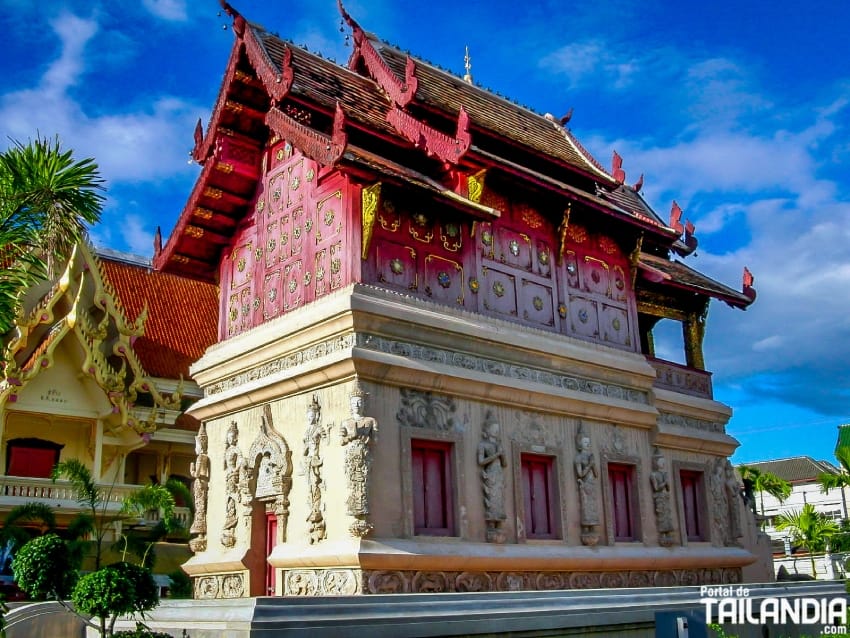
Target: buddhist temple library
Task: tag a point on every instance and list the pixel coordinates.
(434, 367)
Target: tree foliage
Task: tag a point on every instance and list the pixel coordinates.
(841, 480)
(43, 568)
(808, 528)
(47, 200)
(765, 482)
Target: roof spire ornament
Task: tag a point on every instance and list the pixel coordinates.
(467, 65)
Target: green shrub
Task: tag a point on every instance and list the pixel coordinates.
(180, 585)
(141, 632)
(118, 589)
(43, 568)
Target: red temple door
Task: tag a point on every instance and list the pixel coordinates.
(271, 536)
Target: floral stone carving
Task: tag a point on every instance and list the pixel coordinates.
(426, 410)
(356, 435)
(491, 460)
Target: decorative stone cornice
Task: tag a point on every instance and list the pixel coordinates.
(421, 352)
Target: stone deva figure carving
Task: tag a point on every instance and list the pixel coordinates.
(356, 434)
(733, 502)
(233, 462)
(312, 467)
(660, 482)
(587, 475)
(491, 460)
(200, 471)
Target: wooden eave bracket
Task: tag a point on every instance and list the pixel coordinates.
(398, 91)
(435, 143)
(204, 143)
(324, 149)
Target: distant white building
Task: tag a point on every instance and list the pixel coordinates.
(802, 473)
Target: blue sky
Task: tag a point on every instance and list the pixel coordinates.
(738, 110)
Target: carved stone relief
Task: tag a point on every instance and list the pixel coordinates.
(492, 461)
(220, 586)
(234, 464)
(356, 435)
(660, 481)
(269, 467)
(398, 582)
(587, 473)
(733, 504)
(200, 471)
(668, 418)
(500, 368)
(446, 357)
(313, 463)
(322, 582)
(426, 410)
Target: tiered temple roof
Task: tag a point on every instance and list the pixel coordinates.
(402, 117)
(135, 327)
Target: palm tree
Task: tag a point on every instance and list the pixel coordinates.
(842, 480)
(763, 482)
(47, 199)
(809, 528)
(94, 500)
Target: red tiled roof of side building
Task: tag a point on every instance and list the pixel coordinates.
(182, 315)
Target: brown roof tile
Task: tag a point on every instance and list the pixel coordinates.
(797, 469)
(677, 273)
(182, 315)
(442, 90)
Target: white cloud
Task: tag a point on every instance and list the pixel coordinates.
(173, 10)
(127, 145)
(136, 237)
(591, 60)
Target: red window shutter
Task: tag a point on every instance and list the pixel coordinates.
(690, 504)
(620, 485)
(432, 485)
(537, 472)
(31, 458)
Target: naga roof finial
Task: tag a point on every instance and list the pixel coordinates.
(467, 65)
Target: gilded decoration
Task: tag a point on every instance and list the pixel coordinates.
(312, 466)
(563, 229)
(474, 285)
(660, 482)
(200, 472)
(475, 185)
(577, 233)
(587, 474)
(425, 410)
(492, 462)
(356, 435)
(370, 201)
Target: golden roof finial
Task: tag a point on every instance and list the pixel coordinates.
(467, 64)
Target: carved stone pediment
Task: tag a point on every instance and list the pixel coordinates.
(269, 461)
